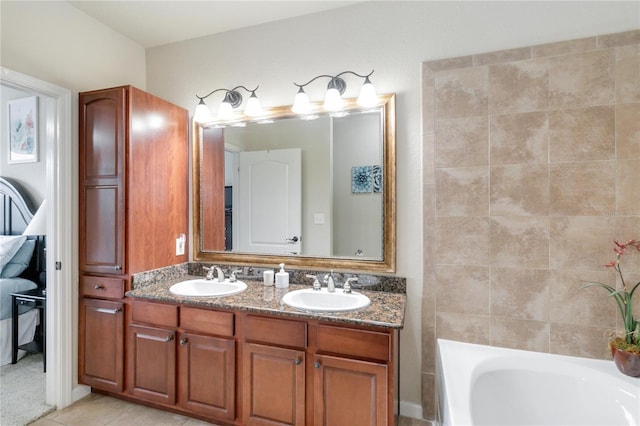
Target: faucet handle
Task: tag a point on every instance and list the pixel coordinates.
(346, 288)
(233, 278)
(316, 283)
(210, 271)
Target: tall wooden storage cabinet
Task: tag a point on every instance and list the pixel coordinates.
(133, 205)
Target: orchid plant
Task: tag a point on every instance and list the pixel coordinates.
(624, 296)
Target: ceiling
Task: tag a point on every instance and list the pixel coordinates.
(154, 23)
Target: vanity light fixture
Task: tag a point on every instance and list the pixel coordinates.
(335, 89)
(232, 99)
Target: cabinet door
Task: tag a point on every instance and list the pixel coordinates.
(152, 364)
(101, 344)
(207, 375)
(273, 385)
(349, 392)
(101, 169)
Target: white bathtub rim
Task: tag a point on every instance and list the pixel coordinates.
(458, 410)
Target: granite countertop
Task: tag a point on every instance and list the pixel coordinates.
(386, 309)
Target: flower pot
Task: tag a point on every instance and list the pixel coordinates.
(628, 363)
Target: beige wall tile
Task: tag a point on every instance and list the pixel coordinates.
(462, 191)
(428, 396)
(462, 142)
(519, 138)
(565, 47)
(462, 289)
(463, 327)
(619, 39)
(586, 188)
(520, 334)
(520, 190)
(628, 187)
(571, 305)
(628, 74)
(450, 63)
(582, 134)
(581, 79)
(581, 242)
(462, 241)
(520, 86)
(520, 293)
(580, 340)
(628, 131)
(502, 56)
(461, 93)
(521, 242)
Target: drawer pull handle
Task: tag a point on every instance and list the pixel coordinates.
(109, 311)
(183, 341)
(316, 364)
(169, 338)
(99, 287)
(298, 361)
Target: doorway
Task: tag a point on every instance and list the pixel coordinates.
(56, 106)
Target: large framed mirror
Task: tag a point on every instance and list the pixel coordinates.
(316, 191)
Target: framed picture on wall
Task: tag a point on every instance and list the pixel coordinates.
(23, 130)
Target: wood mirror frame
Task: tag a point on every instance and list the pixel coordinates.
(388, 262)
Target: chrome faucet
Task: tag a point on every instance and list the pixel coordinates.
(214, 270)
(331, 284)
(346, 288)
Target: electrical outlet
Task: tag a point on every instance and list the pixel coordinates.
(180, 242)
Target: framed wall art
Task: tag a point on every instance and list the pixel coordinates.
(23, 130)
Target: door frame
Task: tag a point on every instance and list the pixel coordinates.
(61, 377)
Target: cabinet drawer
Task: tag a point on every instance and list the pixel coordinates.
(276, 331)
(206, 321)
(112, 288)
(357, 343)
(155, 313)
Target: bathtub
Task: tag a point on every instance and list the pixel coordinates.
(484, 385)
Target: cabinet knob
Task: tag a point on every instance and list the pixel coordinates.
(298, 361)
(117, 267)
(99, 287)
(183, 341)
(316, 364)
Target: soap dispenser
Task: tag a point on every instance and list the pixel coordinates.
(282, 278)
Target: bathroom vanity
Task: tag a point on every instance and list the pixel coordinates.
(249, 359)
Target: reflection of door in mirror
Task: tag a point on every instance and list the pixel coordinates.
(269, 185)
(212, 206)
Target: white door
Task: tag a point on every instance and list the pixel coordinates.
(270, 201)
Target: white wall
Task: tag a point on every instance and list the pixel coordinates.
(393, 38)
(57, 43)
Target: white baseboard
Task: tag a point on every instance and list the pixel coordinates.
(410, 409)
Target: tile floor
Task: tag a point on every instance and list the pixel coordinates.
(94, 410)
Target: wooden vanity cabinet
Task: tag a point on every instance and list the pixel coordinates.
(175, 359)
(274, 371)
(101, 344)
(133, 178)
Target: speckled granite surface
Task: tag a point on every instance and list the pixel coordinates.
(386, 309)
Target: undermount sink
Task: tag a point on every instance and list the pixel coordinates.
(202, 287)
(323, 300)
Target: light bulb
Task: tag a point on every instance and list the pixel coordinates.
(202, 114)
(368, 97)
(253, 108)
(301, 104)
(332, 100)
(225, 112)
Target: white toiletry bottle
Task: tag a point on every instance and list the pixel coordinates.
(282, 278)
